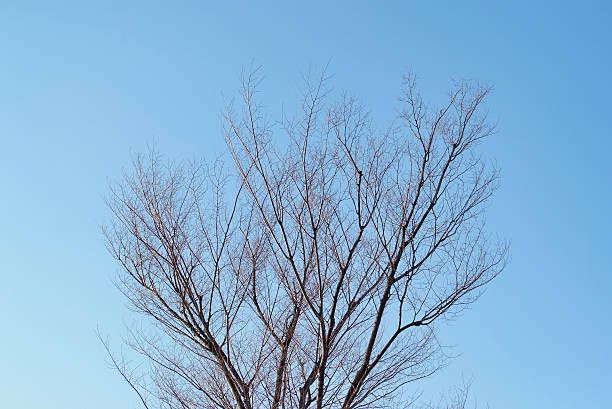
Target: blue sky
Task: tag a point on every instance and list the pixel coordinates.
(85, 85)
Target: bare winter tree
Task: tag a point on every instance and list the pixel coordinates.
(312, 274)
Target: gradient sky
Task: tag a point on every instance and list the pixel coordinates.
(85, 85)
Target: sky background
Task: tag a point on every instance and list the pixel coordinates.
(86, 85)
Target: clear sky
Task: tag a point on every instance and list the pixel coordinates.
(85, 85)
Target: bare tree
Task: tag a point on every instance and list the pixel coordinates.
(312, 274)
